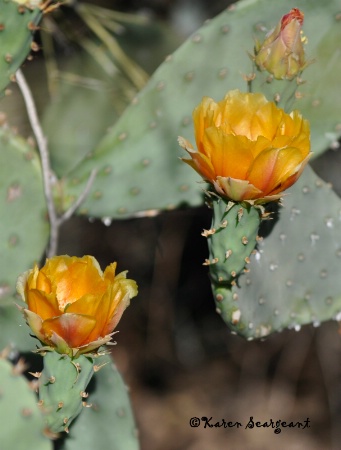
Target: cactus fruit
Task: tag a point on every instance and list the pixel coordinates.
(22, 424)
(108, 420)
(138, 167)
(17, 26)
(23, 226)
(62, 389)
(294, 276)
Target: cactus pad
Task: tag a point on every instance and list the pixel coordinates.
(23, 226)
(22, 422)
(138, 166)
(61, 387)
(231, 239)
(17, 26)
(294, 276)
(108, 422)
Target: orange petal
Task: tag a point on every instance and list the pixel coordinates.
(97, 307)
(44, 305)
(238, 108)
(273, 166)
(43, 283)
(121, 293)
(266, 121)
(74, 329)
(74, 277)
(292, 179)
(122, 301)
(201, 164)
(230, 155)
(205, 115)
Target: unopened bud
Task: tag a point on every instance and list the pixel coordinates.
(282, 53)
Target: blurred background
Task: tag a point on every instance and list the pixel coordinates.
(174, 352)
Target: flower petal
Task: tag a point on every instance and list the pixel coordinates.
(74, 329)
(229, 155)
(237, 190)
(74, 277)
(35, 323)
(121, 292)
(44, 305)
(201, 164)
(272, 167)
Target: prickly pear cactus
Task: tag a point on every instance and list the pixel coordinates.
(17, 26)
(62, 389)
(23, 226)
(231, 239)
(138, 166)
(294, 275)
(22, 422)
(108, 422)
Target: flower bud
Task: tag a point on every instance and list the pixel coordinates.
(282, 53)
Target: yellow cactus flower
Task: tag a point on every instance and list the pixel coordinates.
(248, 148)
(282, 53)
(72, 306)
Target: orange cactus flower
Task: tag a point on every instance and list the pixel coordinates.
(72, 306)
(248, 149)
(282, 53)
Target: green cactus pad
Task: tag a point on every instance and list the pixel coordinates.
(14, 330)
(231, 239)
(109, 422)
(88, 101)
(294, 276)
(23, 226)
(138, 164)
(61, 385)
(17, 26)
(21, 420)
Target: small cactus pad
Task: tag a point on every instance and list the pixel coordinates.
(17, 26)
(231, 239)
(62, 387)
(294, 276)
(23, 226)
(107, 422)
(22, 423)
(138, 164)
